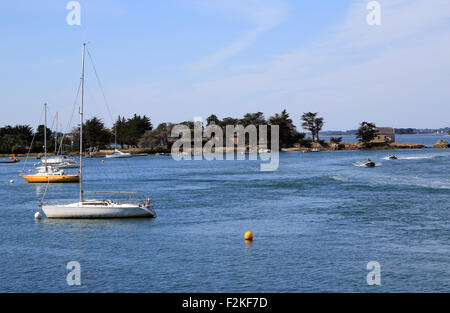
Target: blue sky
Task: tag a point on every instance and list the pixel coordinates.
(175, 60)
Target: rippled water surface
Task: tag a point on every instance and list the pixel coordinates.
(317, 221)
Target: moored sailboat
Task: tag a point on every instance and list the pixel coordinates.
(94, 208)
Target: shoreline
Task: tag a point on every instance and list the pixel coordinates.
(314, 147)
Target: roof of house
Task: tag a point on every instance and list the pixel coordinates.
(385, 131)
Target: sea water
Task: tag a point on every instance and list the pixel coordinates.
(317, 222)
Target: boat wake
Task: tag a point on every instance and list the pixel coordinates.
(414, 182)
(341, 179)
(415, 157)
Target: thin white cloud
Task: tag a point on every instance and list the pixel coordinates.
(262, 14)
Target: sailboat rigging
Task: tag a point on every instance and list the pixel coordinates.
(60, 160)
(49, 172)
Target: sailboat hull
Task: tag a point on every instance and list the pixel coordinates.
(77, 211)
(44, 179)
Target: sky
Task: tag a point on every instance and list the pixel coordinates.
(175, 60)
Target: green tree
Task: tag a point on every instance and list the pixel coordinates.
(15, 139)
(312, 123)
(95, 133)
(158, 137)
(229, 121)
(39, 139)
(135, 128)
(287, 130)
(253, 119)
(212, 119)
(257, 119)
(318, 124)
(366, 133)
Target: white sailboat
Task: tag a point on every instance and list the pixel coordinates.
(117, 154)
(92, 208)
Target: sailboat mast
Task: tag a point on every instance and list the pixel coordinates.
(45, 136)
(56, 135)
(81, 123)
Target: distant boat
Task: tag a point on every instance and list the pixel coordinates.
(13, 160)
(93, 208)
(118, 154)
(392, 157)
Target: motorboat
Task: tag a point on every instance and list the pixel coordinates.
(392, 157)
(369, 163)
(12, 160)
(118, 154)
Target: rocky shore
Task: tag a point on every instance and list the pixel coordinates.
(358, 146)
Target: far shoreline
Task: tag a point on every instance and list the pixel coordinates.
(344, 146)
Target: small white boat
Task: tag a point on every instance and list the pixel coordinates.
(98, 209)
(118, 154)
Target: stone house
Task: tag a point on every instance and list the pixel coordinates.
(384, 134)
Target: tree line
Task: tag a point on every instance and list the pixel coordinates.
(138, 131)
(22, 138)
(158, 138)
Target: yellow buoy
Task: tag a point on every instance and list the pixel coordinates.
(103, 161)
(248, 236)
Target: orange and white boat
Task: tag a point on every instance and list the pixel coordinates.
(49, 174)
